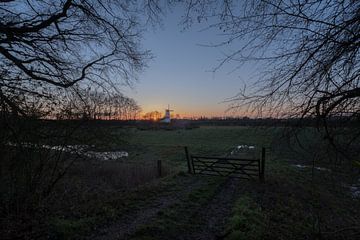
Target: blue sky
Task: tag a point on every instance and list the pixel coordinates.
(180, 73)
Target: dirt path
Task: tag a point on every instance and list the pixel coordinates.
(129, 223)
(210, 217)
(216, 213)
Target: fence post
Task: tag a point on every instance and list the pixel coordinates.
(262, 165)
(159, 168)
(188, 159)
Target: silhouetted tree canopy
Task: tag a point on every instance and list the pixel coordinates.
(307, 52)
(50, 48)
(97, 104)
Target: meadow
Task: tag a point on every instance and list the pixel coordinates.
(305, 194)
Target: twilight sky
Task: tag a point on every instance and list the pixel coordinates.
(180, 73)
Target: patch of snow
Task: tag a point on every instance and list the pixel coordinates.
(355, 189)
(322, 169)
(242, 148)
(245, 147)
(68, 148)
(80, 149)
(105, 156)
(317, 168)
(300, 166)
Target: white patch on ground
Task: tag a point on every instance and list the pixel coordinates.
(246, 147)
(355, 189)
(299, 166)
(79, 149)
(105, 156)
(242, 148)
(317, 168)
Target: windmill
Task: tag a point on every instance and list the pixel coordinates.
(167, 118)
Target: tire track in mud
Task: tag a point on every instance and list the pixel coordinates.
(214, 216)
(129, 223)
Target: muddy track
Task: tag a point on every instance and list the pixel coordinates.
(216, 213)
(212, 216)
(128, 224)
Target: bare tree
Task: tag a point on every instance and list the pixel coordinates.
(308, 53)
(97, 104)
(48, 46)
(153, 116)
(51, 52)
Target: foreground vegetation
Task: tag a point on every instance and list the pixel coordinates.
(102, 199)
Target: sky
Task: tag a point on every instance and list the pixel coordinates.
(180, 74)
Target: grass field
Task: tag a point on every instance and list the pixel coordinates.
(125, 199)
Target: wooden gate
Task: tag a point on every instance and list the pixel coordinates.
(227, 166)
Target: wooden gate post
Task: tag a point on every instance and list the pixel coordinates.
(262, 165)
(159, 168)
(188, 159)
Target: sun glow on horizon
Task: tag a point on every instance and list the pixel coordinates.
(154, 113)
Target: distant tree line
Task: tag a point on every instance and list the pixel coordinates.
(153, 115)
(96, 105)
(274, 122)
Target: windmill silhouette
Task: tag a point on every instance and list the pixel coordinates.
(167, 118)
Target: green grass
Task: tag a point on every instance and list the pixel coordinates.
(205, 139)
(284, 207)
(181, 217)
(247, 220)
(70, 228)
(291, 204)
(99, 209)
(168, 146)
